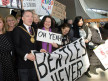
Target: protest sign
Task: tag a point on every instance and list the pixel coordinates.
(59, 10)
(49, 37)
(29, 4)
(102, 53)
(44, 7)
(65, 64)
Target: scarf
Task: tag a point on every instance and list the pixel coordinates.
(44, 44)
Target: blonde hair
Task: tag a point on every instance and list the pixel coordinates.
(7, 27)
(37, 17)
(4, 27)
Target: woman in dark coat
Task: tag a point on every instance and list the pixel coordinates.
(6, 48)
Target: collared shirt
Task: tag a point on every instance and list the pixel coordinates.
(27, 27)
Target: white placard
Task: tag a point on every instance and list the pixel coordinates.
(65, 64)
(49, 37)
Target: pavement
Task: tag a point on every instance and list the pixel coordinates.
(102, 76)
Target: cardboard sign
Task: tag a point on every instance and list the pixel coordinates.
(65, 64)
(59, 10)
(49, 37)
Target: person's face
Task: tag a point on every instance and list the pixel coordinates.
(11, 22)
(70, 22)
(27, 18)
(80, 23)
(1, 24)
(35, 19)
(47, 23)
(65, 30)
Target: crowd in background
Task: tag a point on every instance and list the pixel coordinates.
(18, 38)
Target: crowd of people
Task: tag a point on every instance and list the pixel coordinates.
(18, 38)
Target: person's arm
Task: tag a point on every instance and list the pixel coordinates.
(89, 34)
(54, 45)
(17, 42)
(96, 37)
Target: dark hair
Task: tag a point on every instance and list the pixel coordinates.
(26, 11)
(43, 20)
(76, 27)
(77, 19)
(65, 25)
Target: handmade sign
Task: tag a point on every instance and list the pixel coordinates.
(49, 37)
(65, 64)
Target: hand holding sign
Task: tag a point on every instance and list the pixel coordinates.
(43, 51)
(54, 45)
(31, 57)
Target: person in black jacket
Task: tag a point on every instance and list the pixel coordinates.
(24, 38)
(6, 48)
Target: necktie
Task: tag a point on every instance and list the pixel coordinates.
(30, 30)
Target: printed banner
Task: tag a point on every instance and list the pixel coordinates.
(11, 3)
(59, 10)
(65, 64)
(29, 4)
(49, 37)
(102, 53)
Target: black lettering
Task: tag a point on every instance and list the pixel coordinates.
(68, 73)
(83, 47)
(77, 49)
(42, 64)
(79, 67)
(52, 78)
(41, 34)
(58, 61)
(56, 77)
(73, 72)
(54, 37)
(50, 35)
(49, 60)
(60, 75)
(71, 54)
(63, 49)
(58, 38)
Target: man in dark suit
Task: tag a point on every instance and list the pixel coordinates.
(25, 40)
